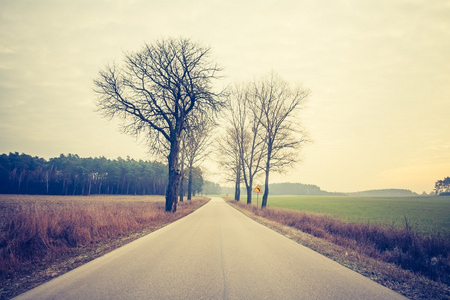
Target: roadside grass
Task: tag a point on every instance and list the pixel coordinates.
(42, 237)
(427, 215)
(413, 264)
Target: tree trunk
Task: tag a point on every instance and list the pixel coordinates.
(266, 190)
(174, 177)
(248, 186)
(249, 194)
(190, 183)
(182, 187)
(266, 181)
(182, 173)
(47, 180)
(90, 186)
(237, 186)
(172, 190)
(75, 182)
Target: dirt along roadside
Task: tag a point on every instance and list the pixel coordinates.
(43, 237)
(405, 282)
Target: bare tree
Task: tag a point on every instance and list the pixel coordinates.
(278, 103)
(196, 145)
(244, 118)
(230, 160)
(155, 92)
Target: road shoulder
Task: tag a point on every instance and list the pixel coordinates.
(402, 281)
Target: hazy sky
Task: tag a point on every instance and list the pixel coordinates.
(378, 71)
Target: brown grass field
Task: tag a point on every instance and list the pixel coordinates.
(415, 265)
(42, 237)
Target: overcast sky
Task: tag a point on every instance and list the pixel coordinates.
(378, 71)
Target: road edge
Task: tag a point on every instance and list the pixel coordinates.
(404, 282)
(40, 274)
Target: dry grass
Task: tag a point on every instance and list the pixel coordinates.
(416, 266)
(38, 233)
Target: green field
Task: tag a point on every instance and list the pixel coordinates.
(424, 214)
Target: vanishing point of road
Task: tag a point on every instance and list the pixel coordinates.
(214, 253)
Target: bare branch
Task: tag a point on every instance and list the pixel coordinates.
(155, 93)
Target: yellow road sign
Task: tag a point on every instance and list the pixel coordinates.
(257, 189)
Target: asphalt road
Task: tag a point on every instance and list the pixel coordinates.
(214, 253)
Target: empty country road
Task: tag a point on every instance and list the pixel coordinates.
(214, 253)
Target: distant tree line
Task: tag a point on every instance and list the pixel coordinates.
(442, 187)
(211, 188)
(73, 175)
(288, 188)
(296, 189)
(384, 193)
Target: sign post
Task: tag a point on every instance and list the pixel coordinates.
(258, 191)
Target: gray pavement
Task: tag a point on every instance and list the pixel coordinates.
(214, 253)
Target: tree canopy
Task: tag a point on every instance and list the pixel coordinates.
(442, 187)
(157, 92)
